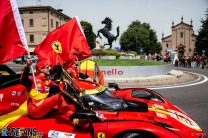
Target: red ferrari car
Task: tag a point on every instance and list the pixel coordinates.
(122, 113)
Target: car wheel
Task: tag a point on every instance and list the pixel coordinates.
(133, 135)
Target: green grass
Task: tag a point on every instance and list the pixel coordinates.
(127, 62)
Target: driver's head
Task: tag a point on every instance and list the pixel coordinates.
(42, 67)
(72, 61)
(56, 72)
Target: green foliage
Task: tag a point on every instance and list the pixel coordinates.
(106, 52)
(202, 38)
(140, 36)
(133, 53)
(89, 34)
(127, 62)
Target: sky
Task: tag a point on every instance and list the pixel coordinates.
(158, 13)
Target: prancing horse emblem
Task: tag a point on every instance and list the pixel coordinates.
(56, 45)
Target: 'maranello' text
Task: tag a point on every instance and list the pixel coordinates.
(112, 72)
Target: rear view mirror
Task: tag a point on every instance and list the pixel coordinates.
(141, 94)
(113, 85)
(85, 114)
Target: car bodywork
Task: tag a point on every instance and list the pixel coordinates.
(119, 113)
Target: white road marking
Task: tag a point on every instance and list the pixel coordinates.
(205, 79)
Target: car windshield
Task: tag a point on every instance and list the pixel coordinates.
(101, 100)
(105, 100)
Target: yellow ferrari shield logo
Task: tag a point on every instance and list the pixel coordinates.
(56, 45)
(46, 82)
(101, 135)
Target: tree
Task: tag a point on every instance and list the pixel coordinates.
(202, 38)
(89, 34)
(140, 35)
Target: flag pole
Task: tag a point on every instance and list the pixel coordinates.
(21, 32)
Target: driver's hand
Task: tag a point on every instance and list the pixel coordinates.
(66, 81)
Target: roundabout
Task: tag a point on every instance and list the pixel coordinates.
(201, 79)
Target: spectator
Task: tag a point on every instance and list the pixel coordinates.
(171, 59)
(23, 59)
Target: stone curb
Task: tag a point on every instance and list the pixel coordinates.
(172, 75)
(175, 77)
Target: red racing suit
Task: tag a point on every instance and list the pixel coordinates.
(73, 72)
(39, 104)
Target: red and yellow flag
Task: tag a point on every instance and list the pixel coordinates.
(61, 44)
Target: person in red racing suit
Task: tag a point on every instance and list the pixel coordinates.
(72, 67)
(39, 104)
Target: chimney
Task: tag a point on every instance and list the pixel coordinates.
(191, 22)
(60, 10)
(172, 23)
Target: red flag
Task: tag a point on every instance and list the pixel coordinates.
(12, 37)
(62, 43)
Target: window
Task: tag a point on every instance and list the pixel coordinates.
(57, 24)
(31, 23)
(167, 45)
(21, 12)
(44, 22)
(30, 12)
(51, 22)
(181, 34)
(31, 38)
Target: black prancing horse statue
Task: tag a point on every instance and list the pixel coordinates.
(106, 32)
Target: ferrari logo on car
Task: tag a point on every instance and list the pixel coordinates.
(101, 135)
(56, 45)
(46, 82)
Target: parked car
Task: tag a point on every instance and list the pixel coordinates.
(35, 58)
(18, 60)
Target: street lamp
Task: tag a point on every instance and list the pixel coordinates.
(136, 41)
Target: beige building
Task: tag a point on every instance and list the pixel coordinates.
(98, 45)
(181, 41)
(38, 21)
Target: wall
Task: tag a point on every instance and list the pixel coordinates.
(134, 71)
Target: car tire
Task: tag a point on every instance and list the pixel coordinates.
(133, 135)
(137, 134)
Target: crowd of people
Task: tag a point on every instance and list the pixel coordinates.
(194, 61)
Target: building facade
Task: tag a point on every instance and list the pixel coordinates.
(181, 41)
(38, 21)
